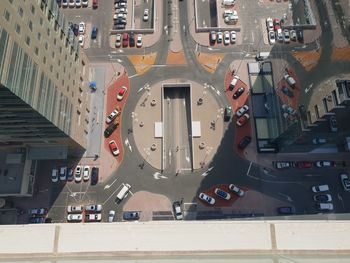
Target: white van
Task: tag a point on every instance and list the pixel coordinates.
(228, 2)
(233, 82)
(123, 192)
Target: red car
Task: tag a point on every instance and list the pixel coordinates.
(125, 40)
(122, 93)
(243, 120)
(114, 148)
(303, 165)
(94, 4)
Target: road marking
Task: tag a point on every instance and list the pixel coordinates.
(207, 171)
(158, 176)
(133, 76)
(128, 144)
(310, 87)
(169, 156)
(250, 166)
(109, 197)
(286, 196)
(109, 185)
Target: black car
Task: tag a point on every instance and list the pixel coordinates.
(94, 32)
(94, 175)
(300, 35)
(238, 93)
(120, 21)
(227, 113)
(110, 129)
(287, 91)
(131, 215)
(286, 210)
(119, 26)
(75, 29)
(244, 142)
(132, 39)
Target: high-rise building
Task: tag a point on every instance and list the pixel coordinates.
(44, 100)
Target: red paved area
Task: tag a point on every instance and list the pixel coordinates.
(111, 104)
(293, 102)
(219, 202)
(245, 130)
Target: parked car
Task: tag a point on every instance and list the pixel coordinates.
(110, 129)
(121, 93)
(70, 174)
(86, 173)
(74, 217)
(238, 93)
(320, 188)
(244, 142)
(71, 3)
(226, 38)
(283, 165)
(210, 200)
(321, 164)
(118, 41)
(279, 34)
(132, 39)
(303, 165)
(287, 91)
(233, 82)
(81, 40)
(77, 176)
(139, 40)
(85, 3)
(276, 23)
(293, 35)
(94, 175)
(94, 32)
(324, 206)
(36, 220)
(93, 208)
(269, 24)
(243, 120)
(75, 209)
(290, 80)
(125, 39)
(37, 211)
(212, 37)
(94, 4)
(146, 15)
(286, 210)
(286, 36)
(272, 37)
(333, 124)
(300, 35)
(221, 193)
(64, 3)
(233, 37)
(177, 210)
(81, 28)
(54, 175)
(220, 36)
(238, 191)
(344, 178)
(323, 198)
(133, 215)
(319, 141)
(114, 148)
(113, 115)
(227, 113)
(242, 110)
(63, 173)
(93, 217)
(111, 215)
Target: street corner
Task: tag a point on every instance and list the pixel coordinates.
(219, 201)
(288, 95)
(176, 58)
(209, 62)
(142, 63)
(309, 59)
(149, 204)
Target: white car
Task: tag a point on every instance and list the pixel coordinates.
(54, 175)
(226, 37)
(139, 40)
(64, 3)
(321, 164)
(320, 188)
(146, 15)
(121, 10)
(242, 110)
(77, 175)
(112, 116)
(118, 40)
(78, 3)
(219, 39)
(269, 24)
(75, 209)
(177, 210)
(63, 173)
(344, 178)
(210, 200)
(238, 191)
(85, 3)
(272, 37)
(81, 40)
(233, 37)
(93, 217)
(81, 28)
(86, 173)
(74, 217)
(111, 215)
(71, 3)
(279, 35)
(93, 208)
(286, 37)
(324, 206)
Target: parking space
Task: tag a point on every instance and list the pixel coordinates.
(144, 15)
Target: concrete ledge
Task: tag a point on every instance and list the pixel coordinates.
(175, 238)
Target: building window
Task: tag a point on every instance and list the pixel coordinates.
(30, 25)
(44, 60)
(317, 112)
(60, 50)
(20, 11)
(46, 46)
(59, 62)
(7, 15)
(27, 40)
(36, 50)
(41, 21)
(51, 68)
(18, 29)
(54, 41)
(325, 106)
(57, 75)
(48, 32)
(32, 9)
(335, 98)
(53, 54)
(39, 36)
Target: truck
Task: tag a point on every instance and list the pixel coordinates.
(262, 56)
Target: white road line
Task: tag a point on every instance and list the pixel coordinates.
(109, 185)
(250, 166)
(286, 196)
(109, 197)
(158, 176)
(133, 76)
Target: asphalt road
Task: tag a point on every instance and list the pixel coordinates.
(292, 186)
